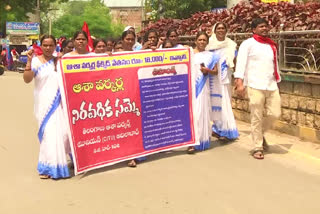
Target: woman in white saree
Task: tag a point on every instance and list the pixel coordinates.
(52, 134)
(224, 124)
(205, 67)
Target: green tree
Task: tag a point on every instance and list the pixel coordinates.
(94, 12)
(14, 11)
(17, 10)
(180, 9)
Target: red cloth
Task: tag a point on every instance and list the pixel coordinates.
(4, 57)
(14, 52)
(85, 28)
(273, 45)
(60, 41)
(37, 50)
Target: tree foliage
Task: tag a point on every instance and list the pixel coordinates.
(17, 10)
(94, 12)
(179, 9)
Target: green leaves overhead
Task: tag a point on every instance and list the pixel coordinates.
(17, 10)
(179, 9)
(94, 12)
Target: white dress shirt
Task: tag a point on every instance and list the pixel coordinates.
(255, 65)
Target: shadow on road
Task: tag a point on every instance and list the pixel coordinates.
(278, 149)
(155, 157)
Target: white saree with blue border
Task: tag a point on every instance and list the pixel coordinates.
(52, 134)
(222, 116)
(203, 97)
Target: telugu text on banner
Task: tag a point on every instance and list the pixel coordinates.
(127, 105)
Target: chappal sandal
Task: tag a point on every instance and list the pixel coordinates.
(132, 163)
(213, 134)
(191, 150)
(258, 154)
(44, 176)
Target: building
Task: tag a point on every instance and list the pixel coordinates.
(128, 12)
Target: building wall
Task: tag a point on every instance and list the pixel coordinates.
(128, 16)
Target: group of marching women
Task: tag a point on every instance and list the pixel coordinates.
(214, 60)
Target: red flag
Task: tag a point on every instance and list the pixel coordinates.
(37, 50)
(85, 28)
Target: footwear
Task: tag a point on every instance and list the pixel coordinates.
(44, 176)
(191, 150)
(132, 163)
(258, 154)
(265, 145)
(224, 139)
(215, 135)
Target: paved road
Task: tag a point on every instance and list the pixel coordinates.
(222, 180)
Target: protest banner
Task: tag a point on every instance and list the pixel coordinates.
(127, 105)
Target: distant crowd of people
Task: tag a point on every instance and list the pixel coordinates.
(216, 58)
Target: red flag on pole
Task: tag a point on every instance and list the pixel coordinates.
(85, 28)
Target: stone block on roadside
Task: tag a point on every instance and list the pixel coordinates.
(285, 100)
(301, 118)
(311, 105)
(318, 106)
(302, 103)
(293, 102)
(310, 120)
(286, 115)
(294, 117)
(317, 121)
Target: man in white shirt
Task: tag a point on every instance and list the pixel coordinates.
(257, 68)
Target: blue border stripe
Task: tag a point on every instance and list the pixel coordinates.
(54, 171)
(204, 145)
(216, 108)
(36, 71)
(214, 59)
(200, 84)
(216, 95)
(54, 106)
(229, 133)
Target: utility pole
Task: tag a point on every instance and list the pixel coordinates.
(38, 12)
(50, 18)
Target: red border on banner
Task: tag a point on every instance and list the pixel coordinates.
(128, 157)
